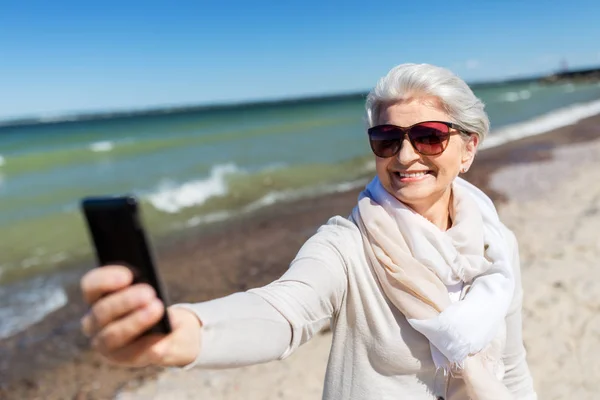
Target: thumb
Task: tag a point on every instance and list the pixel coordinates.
(182, 346)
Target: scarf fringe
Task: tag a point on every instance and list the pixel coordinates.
(460, 345)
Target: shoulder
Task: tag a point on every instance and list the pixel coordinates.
(338, 236)
(339, 228)
(339, 232)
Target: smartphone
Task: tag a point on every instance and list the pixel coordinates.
(119, 238)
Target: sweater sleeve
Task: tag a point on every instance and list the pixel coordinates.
(517, 377)
(270, 322)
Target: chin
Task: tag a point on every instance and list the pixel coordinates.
(410, 194)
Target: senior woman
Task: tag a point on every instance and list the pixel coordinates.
(421, 283)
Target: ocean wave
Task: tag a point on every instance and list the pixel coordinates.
(171, 198)
(244, 190)
(207, 219)
(296, 194)
(544, 123)
(2, 161)
(38, 259)
(515, 96)
(277, 197)
(26, 303)
(369, 166)
(102, 146)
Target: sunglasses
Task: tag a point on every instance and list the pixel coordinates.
(428, 138)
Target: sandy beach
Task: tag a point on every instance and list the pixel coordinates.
(547, 189)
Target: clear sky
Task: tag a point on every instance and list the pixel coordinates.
(69, 56)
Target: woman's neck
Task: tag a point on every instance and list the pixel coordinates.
(438, 212)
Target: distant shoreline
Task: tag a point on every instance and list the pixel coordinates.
(587, 74)
(177, 110)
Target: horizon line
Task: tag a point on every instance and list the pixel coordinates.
(75, 116)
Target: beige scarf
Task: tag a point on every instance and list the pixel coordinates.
(416, 263)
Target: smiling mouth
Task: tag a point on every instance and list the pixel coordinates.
(411, 175)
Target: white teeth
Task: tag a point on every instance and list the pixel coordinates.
(411, 175)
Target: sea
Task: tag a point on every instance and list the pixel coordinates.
(191, 167)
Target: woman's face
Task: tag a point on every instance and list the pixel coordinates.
(422, 191)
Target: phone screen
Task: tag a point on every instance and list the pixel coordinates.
(115, 236)
(119, 239)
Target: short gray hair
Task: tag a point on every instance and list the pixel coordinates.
(416, 80)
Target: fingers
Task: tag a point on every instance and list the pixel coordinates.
(121, 332)
(180, 348)
(139, 353)
(114, 306)
(100, 281)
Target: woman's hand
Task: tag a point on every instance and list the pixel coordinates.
(120, 312)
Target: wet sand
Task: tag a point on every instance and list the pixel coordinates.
(527, 179)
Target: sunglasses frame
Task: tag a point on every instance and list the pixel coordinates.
(406, 132)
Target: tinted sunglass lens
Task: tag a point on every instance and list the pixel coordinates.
(385, 148)
(385, 141)
(430, 138)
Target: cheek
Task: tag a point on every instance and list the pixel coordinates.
(448, 164)
(381, 166)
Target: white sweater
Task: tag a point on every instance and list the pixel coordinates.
(375, 353)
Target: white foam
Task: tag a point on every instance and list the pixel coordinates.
(547, 122)
(31, 262)
(369, 166)
(524, 94)
(106, 145)
(23, 307)
(207, 219)
(295, 194)
(170, 198)
(58, 257)
(275, 197)
(515, 96)
(347, 186)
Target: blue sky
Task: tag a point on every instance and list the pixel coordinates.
(66, 56)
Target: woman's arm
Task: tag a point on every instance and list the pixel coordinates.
(237, 330)
(517, 376)
(269, 323)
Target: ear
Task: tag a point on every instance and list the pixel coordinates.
(468, 154)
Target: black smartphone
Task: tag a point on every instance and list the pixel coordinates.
(119, 238)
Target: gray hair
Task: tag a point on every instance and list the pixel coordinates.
(414, 80)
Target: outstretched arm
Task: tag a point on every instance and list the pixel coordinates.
(245, 328)
(269, 323)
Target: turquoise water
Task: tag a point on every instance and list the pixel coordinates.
(194, 167)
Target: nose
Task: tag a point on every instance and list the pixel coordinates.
(407, 153)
